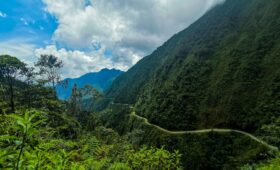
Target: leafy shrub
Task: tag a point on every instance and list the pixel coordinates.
(29, 143)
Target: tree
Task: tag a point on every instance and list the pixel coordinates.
(90, 92)
(74, 107)
(49, 66)
(11, 69)
(81, 99)
(89, 97)
(29, 75)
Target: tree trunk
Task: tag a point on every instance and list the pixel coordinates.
(12, 102)
(54, 92)
(29, 97)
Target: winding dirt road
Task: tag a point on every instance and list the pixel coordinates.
(205, 131)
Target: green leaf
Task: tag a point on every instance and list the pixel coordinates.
(18, 142)
(38, 122)
(8, 138)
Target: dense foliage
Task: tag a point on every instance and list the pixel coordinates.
(222, 71)
(30, 143)
(45, 133)
(271, 165)
(199, 150)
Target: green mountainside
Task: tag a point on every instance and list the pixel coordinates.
(222, 71)
(202, 149)
(207, 99)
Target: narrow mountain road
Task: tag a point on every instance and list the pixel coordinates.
(204, 131)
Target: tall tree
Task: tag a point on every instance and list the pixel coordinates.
(74, 107)
(90, 92)
(90, 95)
(29, 75)
(81, 100)
(49, 66)
(11, 69)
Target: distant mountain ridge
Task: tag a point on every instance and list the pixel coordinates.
(100, 80)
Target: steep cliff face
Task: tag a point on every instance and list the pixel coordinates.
(222, 71)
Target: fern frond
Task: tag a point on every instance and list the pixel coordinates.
(8, 138)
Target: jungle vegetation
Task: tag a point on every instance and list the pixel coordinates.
(221, 72)
(38, 131)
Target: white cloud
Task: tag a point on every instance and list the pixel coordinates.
(131, 29)
(3, 15)
(22, 49)
(77, 63)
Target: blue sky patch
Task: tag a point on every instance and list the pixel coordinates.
(26, 19)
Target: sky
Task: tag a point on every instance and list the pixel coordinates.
(89, 35)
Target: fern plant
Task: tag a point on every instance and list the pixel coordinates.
(119, 166)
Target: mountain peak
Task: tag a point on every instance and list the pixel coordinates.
(100, 80)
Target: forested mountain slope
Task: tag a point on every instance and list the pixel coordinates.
(222, 71)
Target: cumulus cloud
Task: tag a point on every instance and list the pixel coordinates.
(20, 48)
(130, 29)
(77, 63)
